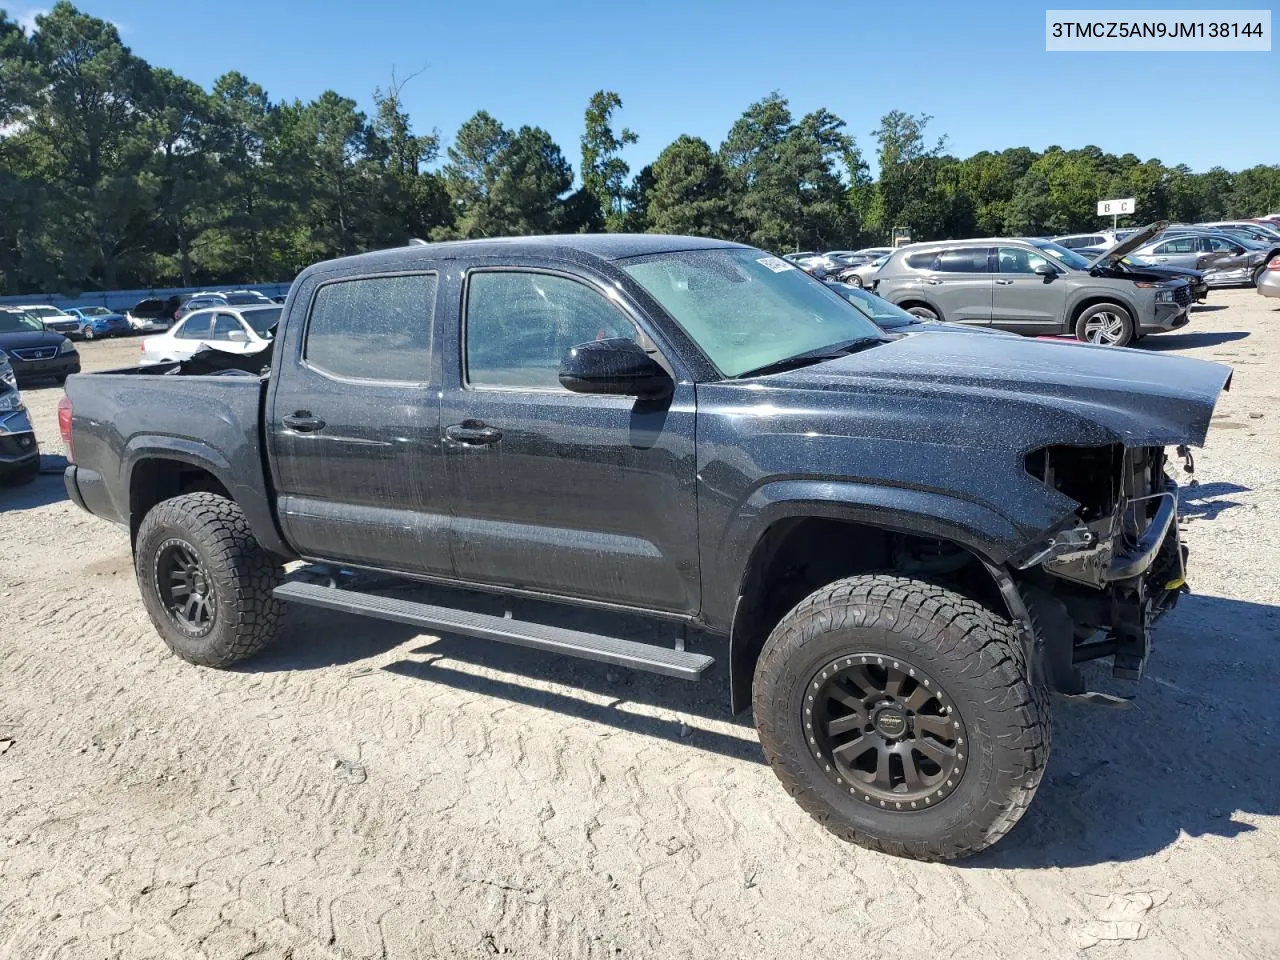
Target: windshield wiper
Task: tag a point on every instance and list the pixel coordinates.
(831, 351)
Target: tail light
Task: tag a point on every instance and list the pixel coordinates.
(1274, 264)
(64, 426)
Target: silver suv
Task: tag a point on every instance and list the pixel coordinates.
(1035, 287)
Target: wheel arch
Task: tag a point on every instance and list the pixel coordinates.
(1093, 300)
(157, 468)
(848, 538)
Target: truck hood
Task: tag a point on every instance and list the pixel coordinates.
(1136, 398)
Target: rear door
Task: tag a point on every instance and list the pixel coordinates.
(354, 425)
(1178, 252)
(959, 281)
(585, 496)
(1025, 301)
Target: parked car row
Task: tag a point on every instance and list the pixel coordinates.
(150, 315)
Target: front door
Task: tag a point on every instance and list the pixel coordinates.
(585, 496)
(1025, 301)
(354, 427)
(960, 284)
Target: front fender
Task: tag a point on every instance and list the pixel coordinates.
(979, 528)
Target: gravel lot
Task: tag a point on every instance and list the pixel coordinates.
(359, 791)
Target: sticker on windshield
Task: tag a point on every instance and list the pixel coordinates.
(776, 264)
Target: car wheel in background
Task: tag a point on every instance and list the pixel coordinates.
(87, 333)
(1257, 274)
(1107, 324)
(924, 313)
(854, 280)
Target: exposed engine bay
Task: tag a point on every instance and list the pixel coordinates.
(1095, 589)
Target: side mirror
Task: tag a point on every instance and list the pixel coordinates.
(237, 336)
(1045, 270)
(616, 366)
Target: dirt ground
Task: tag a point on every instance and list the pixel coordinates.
(360, 791)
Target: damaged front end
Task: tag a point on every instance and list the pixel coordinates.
(1100, 582)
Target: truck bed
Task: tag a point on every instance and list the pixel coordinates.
(211, 423)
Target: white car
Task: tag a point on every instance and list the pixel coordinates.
(52, 318)
(231, 329)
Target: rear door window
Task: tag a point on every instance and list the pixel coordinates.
(963, 260)
(373, 328)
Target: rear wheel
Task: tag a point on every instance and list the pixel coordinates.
(1108, 324)
(854, 280)
(205, 581)
(900, 715)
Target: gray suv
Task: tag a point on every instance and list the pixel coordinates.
(1036, 287)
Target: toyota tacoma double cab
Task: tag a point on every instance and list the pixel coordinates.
(899, 546)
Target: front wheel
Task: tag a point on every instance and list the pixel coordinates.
(854, 280)
(900, 715)
(88, 333)
(205, 581)
(1108, 324)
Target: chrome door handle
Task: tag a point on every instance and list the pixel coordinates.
(933, 282)
(1004, 283)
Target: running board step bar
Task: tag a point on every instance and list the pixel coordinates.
(571, 643)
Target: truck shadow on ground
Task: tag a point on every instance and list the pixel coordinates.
(1194, 755)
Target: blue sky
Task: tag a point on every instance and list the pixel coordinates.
(691, 67)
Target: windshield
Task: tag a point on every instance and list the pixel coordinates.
(880, 311)
(240, 299)
(1064, 256)
(747, 309)
(263, 321)
(11, 322)
(43, 311)
(95, 311)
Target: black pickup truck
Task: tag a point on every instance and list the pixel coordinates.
(899, 545)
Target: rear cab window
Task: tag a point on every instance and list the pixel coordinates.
(373, 328)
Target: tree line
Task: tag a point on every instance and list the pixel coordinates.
(118, 174)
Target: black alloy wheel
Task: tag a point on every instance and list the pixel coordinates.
(885, 731)
(185, 588)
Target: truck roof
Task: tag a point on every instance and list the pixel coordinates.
(569, 246)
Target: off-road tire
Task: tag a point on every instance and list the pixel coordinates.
(972, 653)
(1128, 327)
(242, 574)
